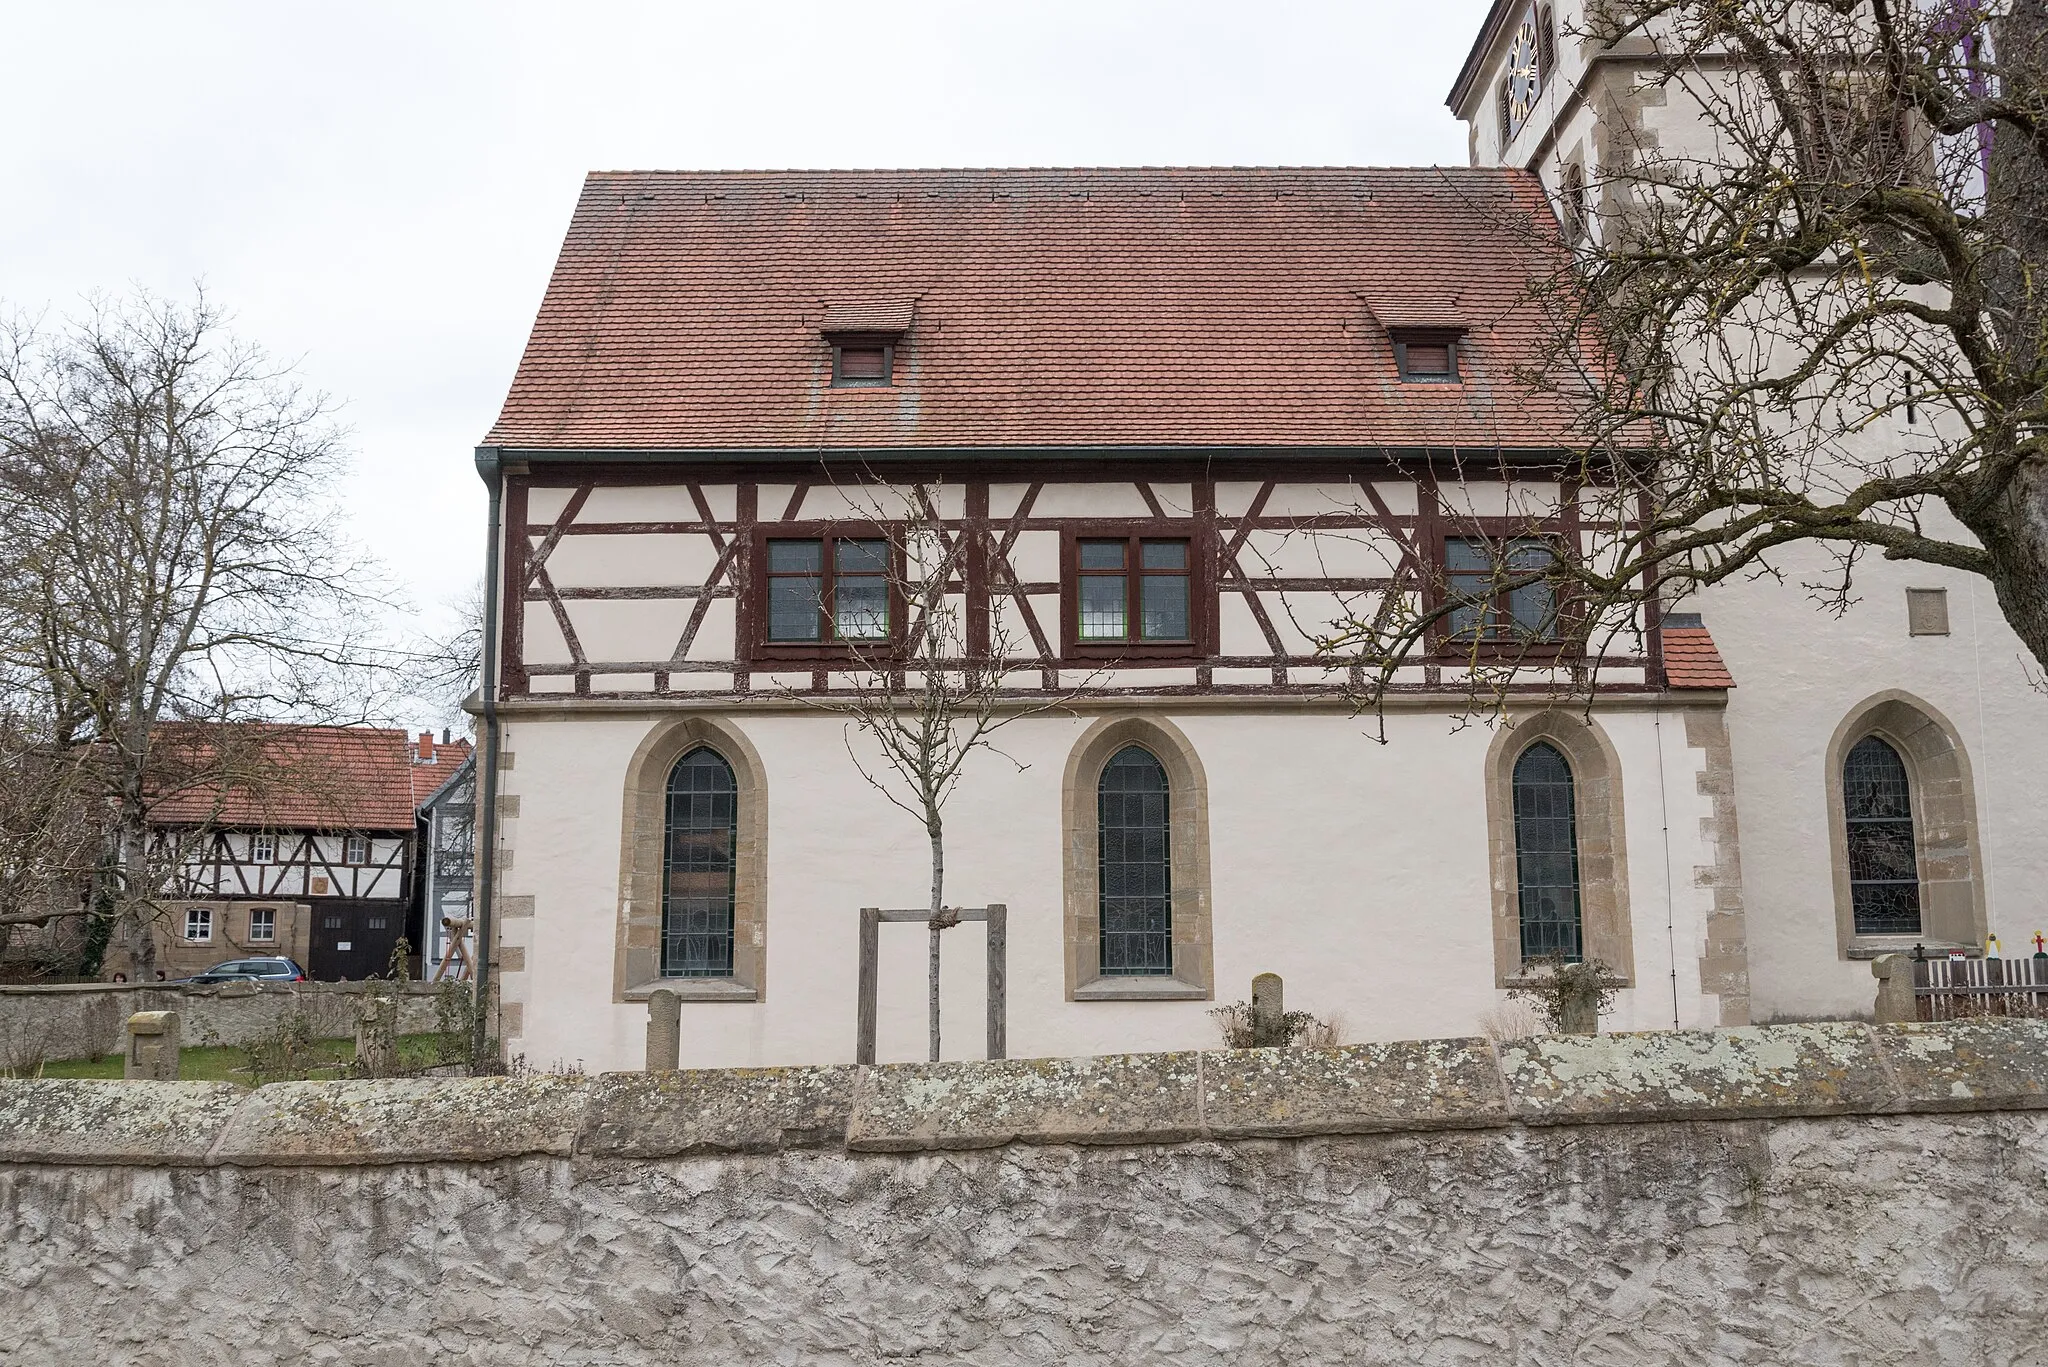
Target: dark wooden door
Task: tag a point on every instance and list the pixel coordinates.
(353, 940)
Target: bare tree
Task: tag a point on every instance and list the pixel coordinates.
(927, 698)
(445, 668)
(1818, 322)
(172, 555)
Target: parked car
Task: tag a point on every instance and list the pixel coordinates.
(278, 970)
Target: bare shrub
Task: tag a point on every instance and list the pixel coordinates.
(1242, 1028)
(1570, 997)
(1511, 1020)
(102, 1026)
(286, 1052)
(26, 1043)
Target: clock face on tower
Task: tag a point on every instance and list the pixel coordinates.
(1525, 80)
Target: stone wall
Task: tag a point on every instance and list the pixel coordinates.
(1810, 1194)
(76, 1019)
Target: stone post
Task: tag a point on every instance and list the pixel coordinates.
(1895, 1002)
(152, 1056)
(377, 1036)
(664, 1031)
(1269, 1014)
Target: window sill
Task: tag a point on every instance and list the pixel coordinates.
(1137, 988)
(1526, 980)
(697, 990)
(1876, 947)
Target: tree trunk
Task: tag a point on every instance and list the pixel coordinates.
(937, 926)
(2014, 531)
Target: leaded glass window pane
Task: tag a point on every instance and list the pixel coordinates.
(796, 590)
(1166, 607)
(860, 590)
(1104, 600)
(1884, 871)
(1547, 856)
(1136, 894)
(1532, 608)
(697, 867)
(1469, 581)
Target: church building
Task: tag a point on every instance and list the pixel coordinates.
(1181, 423)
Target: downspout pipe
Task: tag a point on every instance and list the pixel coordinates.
(491, 469)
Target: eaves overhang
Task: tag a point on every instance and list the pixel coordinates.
(1496, 19)
(497, 456)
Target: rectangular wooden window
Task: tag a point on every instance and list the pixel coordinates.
(262, 849)
(1133, 588)
(199, 925)
(355, 849)
(1481, 580)
(1425, 359)
(862, 363)
(262, 925)
(822, 590)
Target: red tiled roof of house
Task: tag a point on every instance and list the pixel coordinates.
(309, 777)
(433, 764)
(1145, 307)
(1691, 660)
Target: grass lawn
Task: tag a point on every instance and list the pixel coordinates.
(228, 1064)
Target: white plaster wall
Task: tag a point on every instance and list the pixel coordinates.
(1800, 672)
(1359, 872)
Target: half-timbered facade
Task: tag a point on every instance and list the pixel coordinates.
(326, 821)
(1180, 432)
(1175, 425)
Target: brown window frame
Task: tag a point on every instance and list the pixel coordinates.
(1565, 644)
(827, 651)
(348, 845)
(1197, 645)
(1451, 341)
(863, 342)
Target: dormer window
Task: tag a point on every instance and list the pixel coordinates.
(1427, 358)
(862, 361)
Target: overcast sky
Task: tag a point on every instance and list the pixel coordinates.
(378, 190)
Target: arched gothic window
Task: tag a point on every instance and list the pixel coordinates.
(698, 847)
(1136, 879)
(1547, 855)
(1884, 874)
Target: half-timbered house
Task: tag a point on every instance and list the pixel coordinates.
(1182, 424)
(320, 824)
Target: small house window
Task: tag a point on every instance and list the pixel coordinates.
(199, 925)
(1133, 588)
(1427, 360)
(262, 924)
(862, 363)
(1494, 599)
(824, 589)
(355, 849)
(262, 849)
(1884, 871)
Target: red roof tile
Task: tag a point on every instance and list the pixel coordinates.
(317, 777)
(1148, 307)
(1691, 661)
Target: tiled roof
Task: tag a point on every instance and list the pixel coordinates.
(1148, 307)
(1691, 661)
(433, 764)
(883, 317)
(317, 777)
